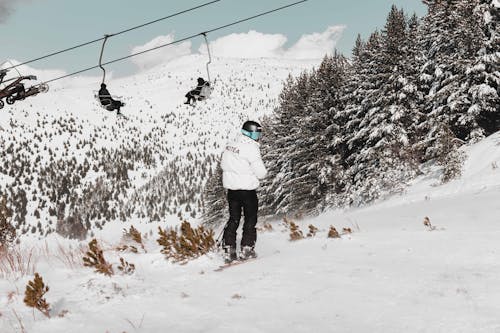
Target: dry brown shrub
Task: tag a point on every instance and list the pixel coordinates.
(95, 258)
(295, 232)
(70, 256)
(126, 267)
(16, 262)
(346, 231)
(427, 223)
(11, 295)
(63, 313)
(312, 231)
(133, 235)
(187, 243)
(35, 290)
(129, 248)
(265, 227)
(333, 233)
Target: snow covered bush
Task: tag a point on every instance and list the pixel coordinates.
(450, 157)
(214, 196)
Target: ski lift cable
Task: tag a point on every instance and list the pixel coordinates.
(255, 16)
(111, 35)
(174, 42)
(12, 66)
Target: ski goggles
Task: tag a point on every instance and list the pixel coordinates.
(252, 135)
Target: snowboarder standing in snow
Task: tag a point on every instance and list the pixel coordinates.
(242, 168)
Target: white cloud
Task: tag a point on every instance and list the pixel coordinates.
(247, 45)
(252, 44)
(162, 55)
(258, 45)
(316, 45)
(42, 75)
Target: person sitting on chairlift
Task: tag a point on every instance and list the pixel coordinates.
(196, 93)
(107, 101)
(20, 90)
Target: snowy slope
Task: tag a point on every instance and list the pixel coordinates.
(390, 275)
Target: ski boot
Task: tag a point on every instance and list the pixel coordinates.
(230, 254)
(247, 252)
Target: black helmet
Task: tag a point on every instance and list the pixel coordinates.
(103, 85)
(252, 129)
(200, 80)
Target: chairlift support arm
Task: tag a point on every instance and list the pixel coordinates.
(100, 58)
(209, 55)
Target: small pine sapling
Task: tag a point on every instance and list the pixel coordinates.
(34, 295)
(133, 235)
(130, 248)
(167, 239)
(312, 231)
(333, 233)
(126, 267)
(346, 231)
(95, 258)
(295, 232)
(427, 223)
(266, 227)
(286, 222)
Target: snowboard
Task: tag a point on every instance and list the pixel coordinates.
(234, 263)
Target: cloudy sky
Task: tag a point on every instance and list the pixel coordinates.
(31, 28)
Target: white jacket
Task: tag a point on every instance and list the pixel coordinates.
(242, 164)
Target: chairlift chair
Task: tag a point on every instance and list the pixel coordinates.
(105, 103)
(15, 90)
(207, 88)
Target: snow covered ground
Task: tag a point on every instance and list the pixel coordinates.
(391, 274)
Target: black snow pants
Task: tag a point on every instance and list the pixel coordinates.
(111, 104)
(238, 199)
(193, 95)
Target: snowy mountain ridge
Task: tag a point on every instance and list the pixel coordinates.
(63, 152)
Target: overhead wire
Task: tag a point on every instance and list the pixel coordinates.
(176, 41)
(112, 35)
